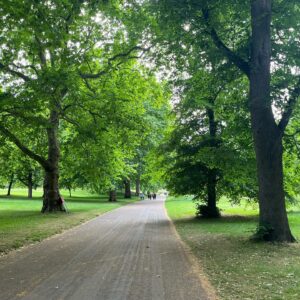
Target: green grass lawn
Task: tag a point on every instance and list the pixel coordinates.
(21, 222)
(237, 267)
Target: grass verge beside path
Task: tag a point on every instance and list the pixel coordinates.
(237, 267)
(21, 222)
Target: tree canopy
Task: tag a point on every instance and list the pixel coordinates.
(198, 96)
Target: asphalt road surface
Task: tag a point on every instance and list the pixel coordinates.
(130, 253)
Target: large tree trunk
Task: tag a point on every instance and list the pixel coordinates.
(127, 188)
(11, 181)
(212, 211)
(51, 192)
(137, 186)
(30, 184)
(52, 200)
(267, 136)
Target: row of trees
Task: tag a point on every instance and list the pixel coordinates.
(236, 67)
(74, 98)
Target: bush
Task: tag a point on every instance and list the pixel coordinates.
(205, 211)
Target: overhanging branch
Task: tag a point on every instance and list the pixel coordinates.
(242, 64)
(42, 161)
(30, 119)
(15, 73)
(295, 93)
(126, 55)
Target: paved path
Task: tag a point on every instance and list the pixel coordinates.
(130, 253)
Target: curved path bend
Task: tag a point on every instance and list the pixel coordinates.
(130, 253)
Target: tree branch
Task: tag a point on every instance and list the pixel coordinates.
(26, 67)
(295, 93)
(42, 161)
(242, 64)
(111, 59)
(71, 121)
(41, 53)
(13, 72)
(30, 119)
(22, 180)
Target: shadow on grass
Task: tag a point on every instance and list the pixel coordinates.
(225, 219)
(293, 212)
(233, 226)
(100, 199)
(85, 199)
(73, 198)
(76, 200)
(18, 197)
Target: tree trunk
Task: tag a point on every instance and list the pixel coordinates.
(127, 189)
(70, 192)
(212, 210)
(30, 184)
(51, 192)
(10, 184)
(52, 200)
(112, 195)
(273, 222)
(137, 186)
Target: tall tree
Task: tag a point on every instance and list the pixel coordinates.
(209, 153)
(50, 51)
(241, 34)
